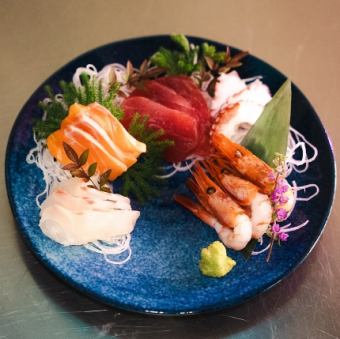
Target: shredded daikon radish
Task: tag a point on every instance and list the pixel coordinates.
(182, 166)
(107, 75)
(261, 251)
(251, 79)
(296, 142)
(51, 169)
(304, 188)
(113, 248)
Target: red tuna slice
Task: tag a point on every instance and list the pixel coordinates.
(165, 96)
(178, 125)
(185, 87)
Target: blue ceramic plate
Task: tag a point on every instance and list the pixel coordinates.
(162, 275)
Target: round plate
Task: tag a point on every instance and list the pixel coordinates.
(162, 275)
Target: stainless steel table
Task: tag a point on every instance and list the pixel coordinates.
(301, 38)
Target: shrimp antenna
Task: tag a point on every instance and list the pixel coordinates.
(202, 179)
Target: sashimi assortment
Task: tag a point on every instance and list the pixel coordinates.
(187, 110)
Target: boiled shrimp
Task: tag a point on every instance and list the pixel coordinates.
(245, 162)
(246, 194)
(218, 210)
(235, 238)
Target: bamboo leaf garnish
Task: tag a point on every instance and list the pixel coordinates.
(76, 169)
(266, 142)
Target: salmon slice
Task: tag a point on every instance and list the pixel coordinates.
(94, 128)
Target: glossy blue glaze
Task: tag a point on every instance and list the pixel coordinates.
(162, 275)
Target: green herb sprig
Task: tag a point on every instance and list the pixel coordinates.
(141, 179)
(56, 110)
(205, 61)
(181, 61)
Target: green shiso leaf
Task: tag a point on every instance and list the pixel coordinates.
(269, 135)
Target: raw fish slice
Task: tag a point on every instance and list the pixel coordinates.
(185, 87)
(78, 188)
(116, 130)
(177, 125)
(74, 214)
(90, 126)
(93, 127)
(78, 197)
(80, 141)
(164, 95)
(69, 228)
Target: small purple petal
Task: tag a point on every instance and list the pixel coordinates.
(281, 214)
(283, 199)
(276, 228)
(275, 197)
(283, 236)
(284, 188)
(279, 190)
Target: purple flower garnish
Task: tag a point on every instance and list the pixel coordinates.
(275, 196)
(276, 228)
(283, 199)
(281, 214)
(283, 236)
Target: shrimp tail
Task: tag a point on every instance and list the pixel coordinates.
(196, 209)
